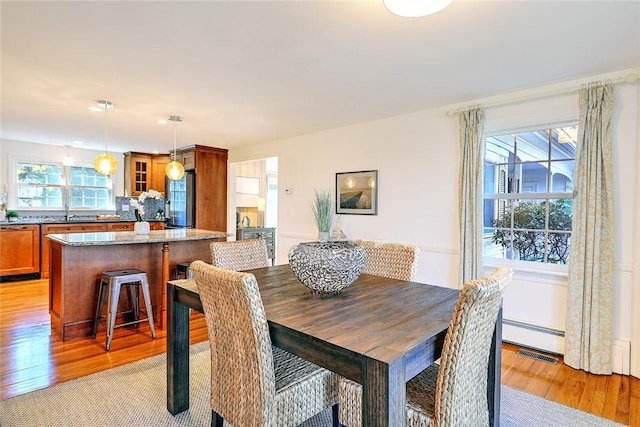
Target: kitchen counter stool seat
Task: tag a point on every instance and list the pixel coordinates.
(110, 284)
(183, 268)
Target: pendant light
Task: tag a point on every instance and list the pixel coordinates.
(105, 163)
(175, 169)
(415, 8)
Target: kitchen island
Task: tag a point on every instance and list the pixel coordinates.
(78, 260)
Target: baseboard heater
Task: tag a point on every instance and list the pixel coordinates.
(533, 327)
(551, 341)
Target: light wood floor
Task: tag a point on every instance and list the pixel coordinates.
(32, 358)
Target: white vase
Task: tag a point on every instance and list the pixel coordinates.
(141, 227)
(323, 236)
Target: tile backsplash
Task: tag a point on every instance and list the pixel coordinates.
(152, 208)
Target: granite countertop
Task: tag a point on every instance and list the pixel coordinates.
(127, 238)
(74, 220)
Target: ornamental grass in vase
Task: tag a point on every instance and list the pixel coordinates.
(322, 208)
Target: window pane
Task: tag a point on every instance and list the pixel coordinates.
(560, 214)
(39, 196)
(534, 177)
(532, 146)
(39, 173)
(563, 143)
(529, 245)
(558, 248)
(529, 214)
(494, 248)
(89, 189)
(562, 176)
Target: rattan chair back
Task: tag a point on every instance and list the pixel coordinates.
(392, 260)
(461, 389)
(454, 394)
(254, 384)
(240, 255)
(243, 380)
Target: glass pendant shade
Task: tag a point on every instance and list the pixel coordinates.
(174, 170)
(415, 8)
(105, 164)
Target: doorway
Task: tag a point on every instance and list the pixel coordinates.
(256, 193)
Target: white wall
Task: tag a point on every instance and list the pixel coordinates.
(417, 157)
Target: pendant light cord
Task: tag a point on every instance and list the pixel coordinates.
(175, 120)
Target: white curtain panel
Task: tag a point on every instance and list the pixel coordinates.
(589, 327)
(470, 192)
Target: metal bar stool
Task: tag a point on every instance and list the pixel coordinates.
(183, 268)
(110, 284)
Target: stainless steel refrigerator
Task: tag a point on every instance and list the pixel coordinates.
(181, 201)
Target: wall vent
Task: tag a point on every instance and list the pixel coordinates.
(537, 356)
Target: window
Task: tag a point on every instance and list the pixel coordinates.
(43, 186)
(528, 195)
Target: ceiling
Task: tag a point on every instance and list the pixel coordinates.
(243, 72)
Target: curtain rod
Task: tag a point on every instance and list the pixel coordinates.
(629, 78)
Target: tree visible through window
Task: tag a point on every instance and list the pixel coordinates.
(44, 186)
(528, 195)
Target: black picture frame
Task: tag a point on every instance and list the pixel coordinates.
(357, 193)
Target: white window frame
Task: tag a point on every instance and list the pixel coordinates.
(522, 265)
(65, 188)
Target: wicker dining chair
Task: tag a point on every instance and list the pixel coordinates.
(240, 255)
(252, 382)
(392, 260)
(454, 393)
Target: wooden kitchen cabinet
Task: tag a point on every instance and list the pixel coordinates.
(45, 243)
(156, 225)
(19, 249)
(128, 226)
(210, 165)
(120, 226)
(144, 172)
(188, 159)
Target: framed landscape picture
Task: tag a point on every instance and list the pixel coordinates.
(357, 192)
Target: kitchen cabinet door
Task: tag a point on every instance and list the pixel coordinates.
(19, 249)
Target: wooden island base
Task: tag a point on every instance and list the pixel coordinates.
(76, 269)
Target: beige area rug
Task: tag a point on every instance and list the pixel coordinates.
(135, 395)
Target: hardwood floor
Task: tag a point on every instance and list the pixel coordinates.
(32, 358)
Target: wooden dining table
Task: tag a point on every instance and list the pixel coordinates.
(378, 332)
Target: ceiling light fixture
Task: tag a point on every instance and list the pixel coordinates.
(415, 8)
(175, 169)
(105, 163)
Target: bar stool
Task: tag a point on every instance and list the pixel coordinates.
(110, 284)
(183, 268)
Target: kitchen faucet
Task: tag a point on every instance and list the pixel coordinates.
(67, 196)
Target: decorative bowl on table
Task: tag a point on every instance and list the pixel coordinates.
(327, 267)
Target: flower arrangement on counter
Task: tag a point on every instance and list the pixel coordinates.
(151, 194)
(138, 209)
(138, 205)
